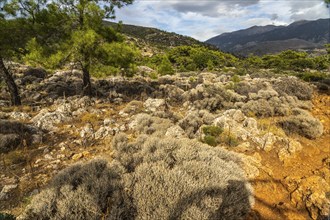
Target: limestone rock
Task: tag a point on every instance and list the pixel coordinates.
(153, 105)
(20, 116)
(104, 132)
(175, 131)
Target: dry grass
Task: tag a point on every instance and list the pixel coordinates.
(269, 125)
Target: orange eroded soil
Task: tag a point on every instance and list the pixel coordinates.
(274, 198)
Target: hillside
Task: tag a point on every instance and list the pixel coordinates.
(185, 138)
(260, 40)
(155, 36)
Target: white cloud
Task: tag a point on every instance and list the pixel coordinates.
(205, 19)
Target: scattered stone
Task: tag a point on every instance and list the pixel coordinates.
(175, 131)
(48, 157)
(77, 156)
(103, 132)
(20, 116)
(87, 132)
(153, 105)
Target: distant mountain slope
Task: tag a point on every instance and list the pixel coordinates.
(261, 40)
(156, 37)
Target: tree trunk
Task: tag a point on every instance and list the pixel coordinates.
(87, 85)
(15, 98)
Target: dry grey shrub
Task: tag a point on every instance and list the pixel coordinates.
(13, 133)
(302, 123)
(212, 97)
(244, 88)
(260, 107)
(172, 93)
(82, 191)
(150, 178)
(147, 124)
(185, 179)
(191, 123)
(133, 107)
(293, 87)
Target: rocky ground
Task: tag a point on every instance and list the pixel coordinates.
(280, 128)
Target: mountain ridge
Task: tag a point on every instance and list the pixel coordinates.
(310, 34)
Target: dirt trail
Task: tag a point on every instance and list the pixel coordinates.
(275, 198)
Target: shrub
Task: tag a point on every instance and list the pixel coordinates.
(212, 130)
(303, 124)
(294, 87)
(191, 123)
(133, 107)
(258, 107)
(147, 124)
(165, 67)
(169, 179)
(211, 135)
(210, 140)
(212, 97)
(13, 133)
(229, 139)
(244, 88)
(184, 179)
(82, 191)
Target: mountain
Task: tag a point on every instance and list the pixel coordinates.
(155, 36)
(260, 40)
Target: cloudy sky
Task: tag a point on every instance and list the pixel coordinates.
(207, 18)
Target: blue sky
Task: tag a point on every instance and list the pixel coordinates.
(205, 19)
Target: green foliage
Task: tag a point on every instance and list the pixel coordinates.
(5, 216)
(153, 75)
(212, 130)
(210, 140)
(311, 76)
(73, 31)
(235, 78)
(192, 58)
(165, 67)
(287, 60)
(212, 135)
(327, 46)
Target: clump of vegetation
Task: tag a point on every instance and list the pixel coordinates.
(192, 58)
(294, 87)
(90, 117)
(82, 191)
(15, 134)
(189, 177)
(302, 123)
(147, 124)
(212, 97)
(288, 60)
(260, 108)
(212, 135)
(191, 123)
(165, 67)
(212, 130)
(228, 138)
(157, 179)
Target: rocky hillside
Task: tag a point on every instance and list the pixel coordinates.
(146, 147)
(155, 36)
(260, 40)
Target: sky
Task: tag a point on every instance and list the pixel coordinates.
(204, 19)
